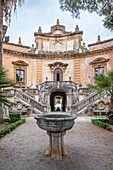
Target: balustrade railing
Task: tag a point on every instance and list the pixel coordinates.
(87, 101)
(85, 91)
(31, 101)
(31, 91)
(26, 98)
(57, 84)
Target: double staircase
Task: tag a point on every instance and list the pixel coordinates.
(28, 100)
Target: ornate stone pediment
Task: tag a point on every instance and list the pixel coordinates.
(58, 65)
(99, 61)
(20, 63)
(58, 29)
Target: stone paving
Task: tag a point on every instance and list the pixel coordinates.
(89, 148)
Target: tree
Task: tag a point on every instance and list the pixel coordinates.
(4, 82)
(6, 7)
(103, 82)
(101, 7)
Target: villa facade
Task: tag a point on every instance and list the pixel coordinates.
(60, 58)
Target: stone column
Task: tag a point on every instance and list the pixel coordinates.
(69, 100)
(56, 145)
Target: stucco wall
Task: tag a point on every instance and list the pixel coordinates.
(16, 47)
(46, 72)
(31, 68)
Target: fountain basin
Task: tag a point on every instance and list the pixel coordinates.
(55, 122)
(56, 126)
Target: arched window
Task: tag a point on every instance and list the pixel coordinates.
(58, 75)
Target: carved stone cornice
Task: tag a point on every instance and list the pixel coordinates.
(20, 63)
(66, 54)
(101, 42)
(58, 65)
(99, 61)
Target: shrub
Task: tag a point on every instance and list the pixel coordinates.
(6, 119)
(14, 116)
(11, 127)
(104, 120)
(103, 123)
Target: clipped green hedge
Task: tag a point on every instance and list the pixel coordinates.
(103, 123)
(11, 127)
(14, 116)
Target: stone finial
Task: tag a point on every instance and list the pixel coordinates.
(83, 44)
(77, 29)
(19, 41)
(46, 78)
(84, 49)
(39, 30)
(57, 23)
(33, 46)
(98, 39)
(69, 78)
(32, 49)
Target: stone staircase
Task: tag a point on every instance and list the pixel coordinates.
(80, 107)
(24, 102)
(27, 100)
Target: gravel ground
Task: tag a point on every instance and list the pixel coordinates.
(89, 148)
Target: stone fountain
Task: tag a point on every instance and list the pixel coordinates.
(56, 126)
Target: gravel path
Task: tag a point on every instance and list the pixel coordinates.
(89, 148)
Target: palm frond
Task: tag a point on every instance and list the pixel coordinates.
(4, 82)
(103, 82)
(9, 6)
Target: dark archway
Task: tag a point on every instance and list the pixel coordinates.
(58, 75)
(58, 98)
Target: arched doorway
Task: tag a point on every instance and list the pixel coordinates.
(58, 101)
(58, 75)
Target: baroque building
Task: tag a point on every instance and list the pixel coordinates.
(58, 64)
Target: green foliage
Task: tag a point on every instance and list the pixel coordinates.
(4, 82)
(11, 127)
(6, 119)
(103, 82)
(9, 6)
(14, 116)
(101, 7)
(4, 79)
(104, 120)
(103, 123)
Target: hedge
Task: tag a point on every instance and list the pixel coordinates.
(11, 127)
(103, 123)
(14, 116)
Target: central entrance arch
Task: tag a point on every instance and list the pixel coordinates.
(58, 101)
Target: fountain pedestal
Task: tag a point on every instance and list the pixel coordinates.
(56, 126)
(56, 145)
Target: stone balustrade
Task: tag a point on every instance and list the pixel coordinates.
(19, 94)
(58, 85)
(87, 101)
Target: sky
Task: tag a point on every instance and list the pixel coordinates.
(44, 13)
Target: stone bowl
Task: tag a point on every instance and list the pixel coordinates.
(55, 122)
